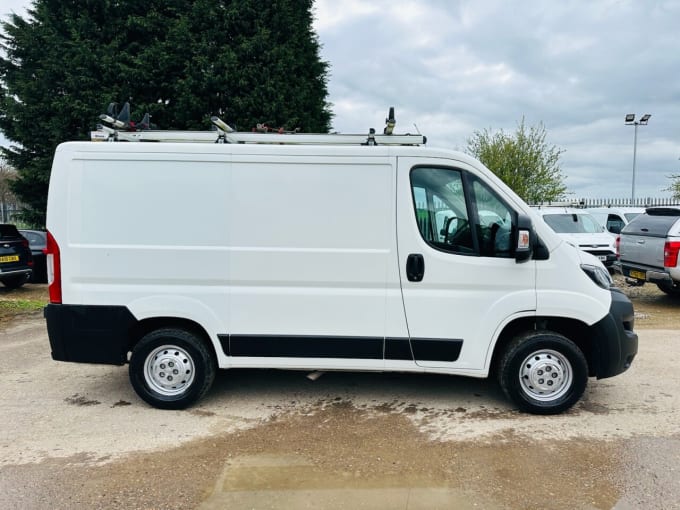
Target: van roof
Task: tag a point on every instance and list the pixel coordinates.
(264, 149)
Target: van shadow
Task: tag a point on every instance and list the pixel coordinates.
(287, 389)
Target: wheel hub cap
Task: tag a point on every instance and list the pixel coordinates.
(545, 375)
(169, 370)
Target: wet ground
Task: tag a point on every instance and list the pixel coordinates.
(76, 436)
(336, 455)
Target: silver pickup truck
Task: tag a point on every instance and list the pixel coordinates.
(649, 247)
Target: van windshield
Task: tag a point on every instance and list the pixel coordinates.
(573, 223)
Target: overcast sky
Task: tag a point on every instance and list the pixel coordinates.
(454, 67)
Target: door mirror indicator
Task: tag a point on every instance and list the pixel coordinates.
(525, 238)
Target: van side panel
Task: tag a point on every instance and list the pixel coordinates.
(146, 231)
(312, 242)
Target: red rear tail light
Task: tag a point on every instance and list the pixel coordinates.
(670, 253)
(53, 269)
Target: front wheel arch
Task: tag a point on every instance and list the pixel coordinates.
(577, 331)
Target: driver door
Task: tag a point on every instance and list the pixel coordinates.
(459, 278)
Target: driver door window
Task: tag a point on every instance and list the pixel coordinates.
(458, 213)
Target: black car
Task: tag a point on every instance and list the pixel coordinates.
(37, 241)
(16, 261)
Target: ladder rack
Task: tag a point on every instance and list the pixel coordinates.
(223, 133)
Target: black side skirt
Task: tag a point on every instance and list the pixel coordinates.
(274, 346)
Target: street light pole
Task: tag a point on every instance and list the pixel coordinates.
(630, 121)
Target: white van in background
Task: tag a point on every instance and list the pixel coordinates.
(181, 258)
(613, 219)
(581, 229)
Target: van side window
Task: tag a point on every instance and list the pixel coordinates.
(458, 213)
(441, 209)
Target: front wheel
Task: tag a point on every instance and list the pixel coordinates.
(171, 368)
(543, 372)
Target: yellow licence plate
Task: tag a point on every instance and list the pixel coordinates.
(10, 258)
(640, 275)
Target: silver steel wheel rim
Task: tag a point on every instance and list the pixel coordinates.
(169, 370)
(546, 375)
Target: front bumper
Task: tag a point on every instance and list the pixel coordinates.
(616, 344)
(607, 258)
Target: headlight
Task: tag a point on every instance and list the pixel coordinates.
(599, 275)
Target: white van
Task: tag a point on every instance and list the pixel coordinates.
(613, 219)
(181, 258)
(581, 229)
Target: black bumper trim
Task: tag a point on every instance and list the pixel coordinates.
(616, 344)
(89, 334)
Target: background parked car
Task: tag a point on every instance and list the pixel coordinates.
(581, 229)
(16, 262)
(37, 241)
(615, 218)
(650, 249)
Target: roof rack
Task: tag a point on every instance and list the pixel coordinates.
(124, 130)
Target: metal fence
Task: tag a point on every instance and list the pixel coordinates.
(614, 202)
(628, 202)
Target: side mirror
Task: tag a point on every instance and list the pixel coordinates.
(527, 244)
(524, 238)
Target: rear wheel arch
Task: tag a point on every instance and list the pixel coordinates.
(146, 326)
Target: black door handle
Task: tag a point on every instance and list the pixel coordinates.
(415, 267)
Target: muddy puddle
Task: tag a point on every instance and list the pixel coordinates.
(338, 456)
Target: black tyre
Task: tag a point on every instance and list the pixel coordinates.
(543, 372)
(14, 282)
(672, 289)
(171, 368)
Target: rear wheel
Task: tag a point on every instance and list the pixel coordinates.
(672, 289)
(543, 372)
(171, 368)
